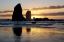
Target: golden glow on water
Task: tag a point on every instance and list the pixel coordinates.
(37, 30)
(33, 34)
(24, 30)
(43, 30)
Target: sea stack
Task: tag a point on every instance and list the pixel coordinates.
(28, 15)
(17, 14)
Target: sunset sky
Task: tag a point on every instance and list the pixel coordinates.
(53, 9)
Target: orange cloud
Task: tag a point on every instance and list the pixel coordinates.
(50, 7)
(37, 8)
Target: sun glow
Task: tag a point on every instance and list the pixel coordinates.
(35, 17)
(35, 11)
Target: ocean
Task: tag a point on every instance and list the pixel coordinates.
(41, 31)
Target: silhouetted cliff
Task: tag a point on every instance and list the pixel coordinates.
(17, 14)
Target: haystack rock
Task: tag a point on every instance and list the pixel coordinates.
(17, 14)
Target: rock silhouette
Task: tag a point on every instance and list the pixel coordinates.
(28, 30)
(17, 14)
(28, 15)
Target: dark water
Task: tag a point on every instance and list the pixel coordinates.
(32, 35)
(27, 32)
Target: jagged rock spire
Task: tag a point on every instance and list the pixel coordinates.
(17, 14)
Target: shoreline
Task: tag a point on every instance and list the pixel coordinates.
(33, 20)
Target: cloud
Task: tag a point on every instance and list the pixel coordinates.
(53, 14)
(50, 7)
(6, 11)
(25, 9)
(42, 14)
(39, 8)
(10, 11)
(50, 14)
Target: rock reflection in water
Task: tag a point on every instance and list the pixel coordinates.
(17, 31)
(34, 35)
(17, 38)
(28, 30)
